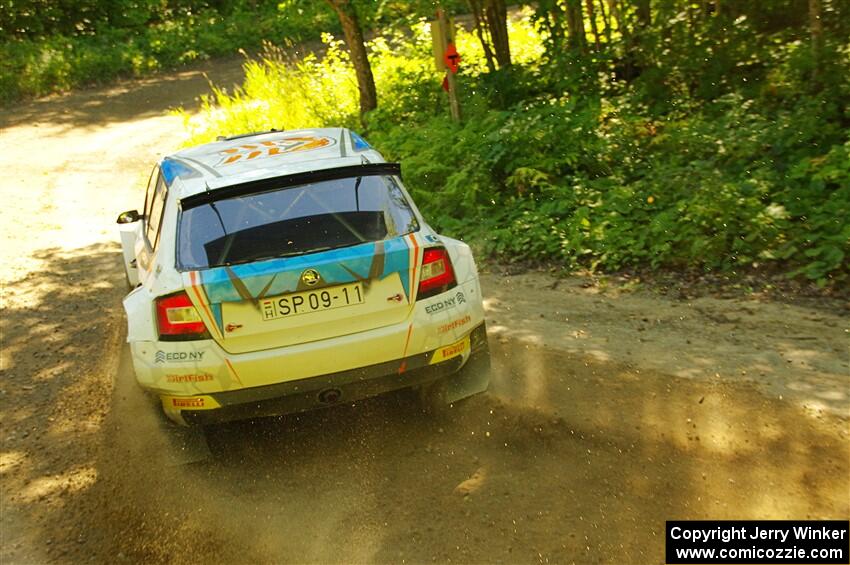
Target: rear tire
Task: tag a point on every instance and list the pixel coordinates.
(433, 398)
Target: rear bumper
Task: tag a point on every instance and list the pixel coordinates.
(326, 390)
(204, 367)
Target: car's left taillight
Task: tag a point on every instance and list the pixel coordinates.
(178, 320)
(437, 275)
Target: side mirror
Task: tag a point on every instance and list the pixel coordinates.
(129, 217)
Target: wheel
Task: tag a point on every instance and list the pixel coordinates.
(433, 398)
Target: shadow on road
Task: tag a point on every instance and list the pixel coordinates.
(59, 329)
(128, 100)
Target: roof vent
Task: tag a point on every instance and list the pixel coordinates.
(241, 135)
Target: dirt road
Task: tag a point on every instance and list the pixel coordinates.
(612, 409)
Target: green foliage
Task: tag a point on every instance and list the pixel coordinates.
(684, 164)
(282, 94)
(818, 204)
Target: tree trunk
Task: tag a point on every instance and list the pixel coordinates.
(575, 21)
(478, 18)
(628, 59)
(606, 19)
(689, 10)
(618, 17)
(591, 14)
(557, 30)
(496, 14)
(816, 29)
(491, 26)
(359, 58)
(644, 12)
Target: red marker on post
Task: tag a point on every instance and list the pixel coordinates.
(452, 58)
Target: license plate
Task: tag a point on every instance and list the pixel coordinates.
(287, 305)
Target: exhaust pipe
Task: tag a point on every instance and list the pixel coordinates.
(330, 396)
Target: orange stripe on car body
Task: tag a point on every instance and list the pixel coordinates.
(233, 372)
(204, 306)
(403, 365)
(414, 284)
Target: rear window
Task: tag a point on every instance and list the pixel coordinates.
(293, 221)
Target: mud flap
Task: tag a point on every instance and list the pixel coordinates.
(182, 445)
(140, 421)
(474, 376)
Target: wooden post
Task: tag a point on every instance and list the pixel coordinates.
(442, 31)
(816, 31)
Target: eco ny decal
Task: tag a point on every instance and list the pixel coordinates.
(263, 149)
(163, 356)
(451, 302)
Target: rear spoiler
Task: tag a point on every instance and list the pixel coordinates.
(288, 181)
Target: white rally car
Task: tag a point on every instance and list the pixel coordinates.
(278, 272)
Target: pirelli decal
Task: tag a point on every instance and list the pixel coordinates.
(189, 403)
(450, 351)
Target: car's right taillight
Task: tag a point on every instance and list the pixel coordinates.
(178, 320)
(437, 275)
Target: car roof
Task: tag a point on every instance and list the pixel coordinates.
(258, 156)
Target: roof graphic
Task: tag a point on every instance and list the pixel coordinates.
(263, 155)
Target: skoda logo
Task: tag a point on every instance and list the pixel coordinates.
(310, 277)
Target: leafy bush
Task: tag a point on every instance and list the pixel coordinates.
(282, 94)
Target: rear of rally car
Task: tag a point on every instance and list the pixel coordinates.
(307, 291)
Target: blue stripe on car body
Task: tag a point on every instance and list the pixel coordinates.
(336, 266)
